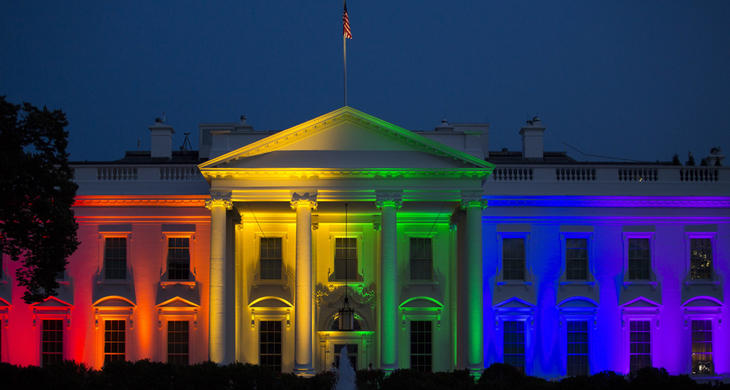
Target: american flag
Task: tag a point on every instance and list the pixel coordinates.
(346, 24)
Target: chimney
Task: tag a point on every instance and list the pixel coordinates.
(161, 139)
(532, 139)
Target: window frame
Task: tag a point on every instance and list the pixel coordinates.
(114, 231)
(646, 310)
(701, 308)
(177, 309)
(285, 255)
(650, 235)
(528, 278)
(351, 279)
(166, 332)
(56, 310)
(689, 236)
(64, 338)
(192, 273)
(577, 308)
(590, 252)
(102, 314)
(281, 342)
(516, 309)
(410, 342)
(103, 337)
(410, 258)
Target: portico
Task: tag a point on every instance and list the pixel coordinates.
(280, 242)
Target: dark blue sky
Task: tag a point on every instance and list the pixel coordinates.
(634, 79)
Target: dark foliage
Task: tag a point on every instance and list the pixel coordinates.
(144, 375)
(37, 225)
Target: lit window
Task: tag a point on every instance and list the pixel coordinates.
(421, 259)
(702, 363)
(513, 259)
(576, 258)
(421, 346)
(640, 344)
(270, 256)
(700, 258)
(52, 342)
(178, 258)
(514, 344)
(345, 258)
(114, 341)
(178, 342)
(115, 258)
(351, 354)
(639, 259)
(270, 345)
(577, 348)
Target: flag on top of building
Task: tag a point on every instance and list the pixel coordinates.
(346, 24)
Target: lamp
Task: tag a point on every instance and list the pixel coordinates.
(346, 320)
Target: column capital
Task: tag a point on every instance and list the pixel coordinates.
(472, 199)
(393, 198)
(219, 199)
(304, 199)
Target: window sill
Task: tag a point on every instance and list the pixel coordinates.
(423, 282)
(189, 283)
(514, 283)
(113, 281)
(589, 282)
(357, 279)
(628, 283)
(702, 282)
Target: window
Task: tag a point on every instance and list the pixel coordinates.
(421, 258)
(639, 259)
(421, 346)
(702, 363)
(114, 341)
(514, 344)
(270, 345)
(576, 258)
(640, 344)
(351, 354)
(270, 256)
(178, 342)
(178, 258)
(700, 259)
(577, 348)
(345, 258)
(513, 258)
(51, 342)
(115, 258)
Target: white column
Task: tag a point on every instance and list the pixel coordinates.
(388, 202)
(303, 203)
(218, 204)
(473, 203)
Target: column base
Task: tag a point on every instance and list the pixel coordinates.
(306, 372)
(475, 371)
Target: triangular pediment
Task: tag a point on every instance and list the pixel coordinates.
(52, 302)
(177, 302)
(640, 302)
(347, 139)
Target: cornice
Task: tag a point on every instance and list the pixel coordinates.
(140, 201)
(610, 201)
(298, 173)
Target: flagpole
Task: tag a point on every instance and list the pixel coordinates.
(344, 55)
(344, 62)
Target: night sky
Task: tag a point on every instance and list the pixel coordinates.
(632, 79)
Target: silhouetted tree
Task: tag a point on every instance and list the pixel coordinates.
(690, 160)
(37, 225)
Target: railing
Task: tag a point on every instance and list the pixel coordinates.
(637, 174)
(116, 173)
(140, 173)
(512, 174)
(575, 174)
(179, 173)
(699, 174)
